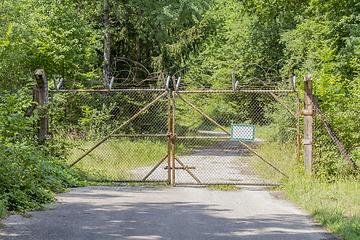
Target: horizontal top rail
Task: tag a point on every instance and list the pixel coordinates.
(238, 91)
(140, 135)
(114, 90)
(202, 137)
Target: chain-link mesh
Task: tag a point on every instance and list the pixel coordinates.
(83, 121)
(335, 153)
(124, 135)
(208, 153)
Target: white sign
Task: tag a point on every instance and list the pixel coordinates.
(242, 132)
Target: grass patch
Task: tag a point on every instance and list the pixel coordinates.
(335, 205)
(281, 154)
(116, 158)
(223, 187)
(152, 185)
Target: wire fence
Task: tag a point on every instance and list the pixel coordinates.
(147, 135)
(181, 133)
(81, 120)
(336, 147)
(205, 145)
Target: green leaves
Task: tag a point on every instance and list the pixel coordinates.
(28, 175)
(52, 35)
(13, 125)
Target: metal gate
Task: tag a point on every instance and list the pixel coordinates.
(115, 135)
(132, 135)
(205, 150)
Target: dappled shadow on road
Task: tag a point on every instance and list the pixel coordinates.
(122, 217)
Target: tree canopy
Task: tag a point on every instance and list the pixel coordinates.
(66, 38)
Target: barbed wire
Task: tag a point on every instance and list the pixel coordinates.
(248, 75)
(132, 73)
(128, 73)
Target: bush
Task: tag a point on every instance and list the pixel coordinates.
(2, 209)
(29, 176)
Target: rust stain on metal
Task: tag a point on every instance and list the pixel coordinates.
(306, 112)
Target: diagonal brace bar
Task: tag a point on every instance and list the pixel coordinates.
(116, 130)
(155, 167)
(226, 131)
(187, 169)
(283, 104)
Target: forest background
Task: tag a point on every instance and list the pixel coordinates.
(66, 38)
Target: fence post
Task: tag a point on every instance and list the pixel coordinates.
(308, 122)
(41, 97)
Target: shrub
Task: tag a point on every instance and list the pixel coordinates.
(29, 176)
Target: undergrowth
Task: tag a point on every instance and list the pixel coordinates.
(29, 176)
(336, 204)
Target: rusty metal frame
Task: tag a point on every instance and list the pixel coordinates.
(237, 91)
(170, 157)
(113, 134)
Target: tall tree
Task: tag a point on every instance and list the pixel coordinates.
(107, 45)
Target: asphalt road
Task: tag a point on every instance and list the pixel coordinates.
(165, 213)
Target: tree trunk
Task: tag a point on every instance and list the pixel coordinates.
(138, 56)
(107, 38)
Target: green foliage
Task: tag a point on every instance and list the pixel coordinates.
(335, 205)
(28, 174)
(3, 210)
(224, 187)
(94, 121)
(13, 125)
(52, 35)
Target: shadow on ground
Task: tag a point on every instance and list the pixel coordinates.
(146, 213)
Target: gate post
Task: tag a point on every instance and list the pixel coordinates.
(41, 97)
(308, 123)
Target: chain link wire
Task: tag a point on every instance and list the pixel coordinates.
(83, 124)
(334, 153)
(80, 120)
(214, 158)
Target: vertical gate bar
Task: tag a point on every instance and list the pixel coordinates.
(169, 137)
(173, 142)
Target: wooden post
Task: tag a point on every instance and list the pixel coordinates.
(308, 122)
(41, 97)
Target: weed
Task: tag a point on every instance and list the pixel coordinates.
(336, 205)
(224, 187)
